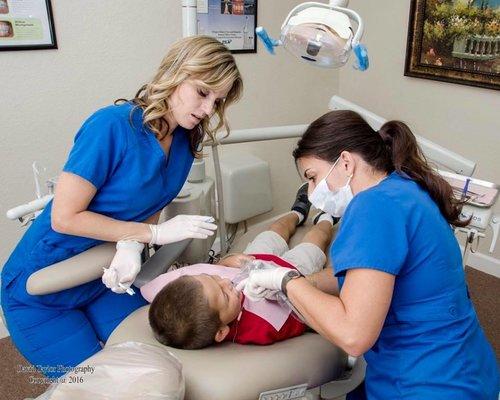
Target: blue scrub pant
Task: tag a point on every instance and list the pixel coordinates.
(357, 394)
(66, 328)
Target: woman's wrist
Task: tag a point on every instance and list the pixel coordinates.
(290, 275)
(141, 233)
(292, 283)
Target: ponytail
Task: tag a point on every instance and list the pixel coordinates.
(407, 158)
(394, 148)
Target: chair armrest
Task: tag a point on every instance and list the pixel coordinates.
(82, 268)
(87, 266)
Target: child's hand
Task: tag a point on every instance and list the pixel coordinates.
(236, 260)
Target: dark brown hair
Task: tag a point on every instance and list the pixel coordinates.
(392, 148)
(181, 317)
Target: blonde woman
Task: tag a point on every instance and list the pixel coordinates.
(129, 160)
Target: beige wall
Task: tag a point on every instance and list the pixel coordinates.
(114, 47)
(107, 49)
(464, 119)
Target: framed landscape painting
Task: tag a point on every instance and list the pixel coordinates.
(455, 41)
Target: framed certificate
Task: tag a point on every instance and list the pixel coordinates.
(232, 22)
(26, 25)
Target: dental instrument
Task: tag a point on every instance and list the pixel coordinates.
(127, 289)
(465, 189)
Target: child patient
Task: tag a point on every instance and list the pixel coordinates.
(197, 305)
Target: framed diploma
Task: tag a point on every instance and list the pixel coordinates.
(26, 25)
(232, 22)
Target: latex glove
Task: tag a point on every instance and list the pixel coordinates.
(182, 227)
(263, 284)
(124, 267)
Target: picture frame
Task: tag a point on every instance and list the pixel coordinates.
(455, 41)
(26, 25)
(232, 22)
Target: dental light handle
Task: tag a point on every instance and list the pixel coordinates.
(28, 208)
(495, 226)
(269, 42)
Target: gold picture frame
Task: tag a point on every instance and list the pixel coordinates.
(455, 41)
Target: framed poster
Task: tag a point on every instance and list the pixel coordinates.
(455, 41)
(232, 22)
(26, 25)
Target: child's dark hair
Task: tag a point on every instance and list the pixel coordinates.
(181, 317)
(392, 148)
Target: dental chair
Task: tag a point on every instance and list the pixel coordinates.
(227, 371)
(232, 371)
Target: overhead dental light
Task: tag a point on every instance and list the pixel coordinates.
(321, 34)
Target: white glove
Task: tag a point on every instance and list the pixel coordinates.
(124, 267)
(182, 227)
(263, 283)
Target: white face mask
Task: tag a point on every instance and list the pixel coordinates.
(332, 202)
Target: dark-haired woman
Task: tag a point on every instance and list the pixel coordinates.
(397, 293)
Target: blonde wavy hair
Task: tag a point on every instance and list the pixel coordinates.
(200, 58)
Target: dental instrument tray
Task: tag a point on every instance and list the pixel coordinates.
(475, 192)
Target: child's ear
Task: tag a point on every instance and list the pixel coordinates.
(222, 333)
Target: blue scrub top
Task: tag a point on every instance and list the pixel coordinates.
(134, 179)
(431, 345)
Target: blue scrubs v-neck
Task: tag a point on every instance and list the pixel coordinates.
(134, 179)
